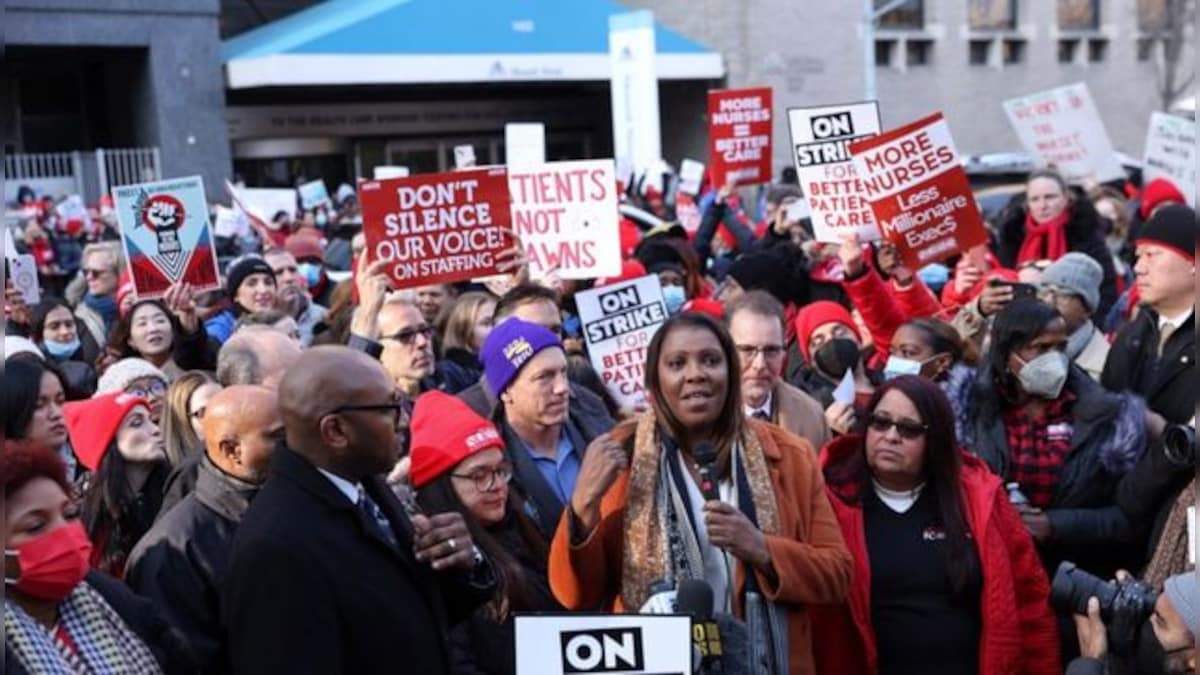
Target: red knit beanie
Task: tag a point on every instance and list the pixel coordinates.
(92, 424)
(813, 316)
(445, 431)
(1156, 192)
(630, 270)
(707, 306)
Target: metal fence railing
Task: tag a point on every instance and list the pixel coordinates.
(125, 166)
(47, 171)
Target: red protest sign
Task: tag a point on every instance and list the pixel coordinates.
(919, 192)
(437, 228)
(739, 135)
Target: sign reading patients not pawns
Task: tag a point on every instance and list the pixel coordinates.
(739, 135)
(565, 214)
(821, 138)
(618, 322)
(437, 228)
(621, 644)
(166, 234)
(919, 192)
(1062, 128)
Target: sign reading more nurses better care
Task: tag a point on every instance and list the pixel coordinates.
(618, 322)
(166, 234)
(437, 228)
(565, 214)
(919, 192)
(821, 138)
(1062, 128)
(1171, 153)
(739, 135)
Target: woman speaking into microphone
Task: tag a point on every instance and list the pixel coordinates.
(639, 516)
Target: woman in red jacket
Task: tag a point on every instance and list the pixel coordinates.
(946, 579)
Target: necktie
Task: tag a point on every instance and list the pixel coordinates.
(1164, 334)
(375, 515)
(761, 415)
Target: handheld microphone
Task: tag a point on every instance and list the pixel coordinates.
(705, 455)
(721, 640)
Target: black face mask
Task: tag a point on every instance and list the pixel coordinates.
(1150, 658)
(837, 356)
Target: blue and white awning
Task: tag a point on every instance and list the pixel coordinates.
(362, 42)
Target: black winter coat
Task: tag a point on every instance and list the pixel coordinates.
(1167, 383)
(1107, 440)
(1085, 234)
(587, 418)
(181, 562)
(459, 370)
(143, 618)
(1147, 494)
(314, 587)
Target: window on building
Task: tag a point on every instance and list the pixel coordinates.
(1078, 14)
(1152, 15)
(1145, 49)
(885, 52)
(918, 52)
(910, 15)
(992, 14)
(1097, 50)
(979, 51)
(1014, 51)
(1067, 50)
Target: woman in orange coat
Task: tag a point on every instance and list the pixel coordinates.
(946, 579)
(638, 516)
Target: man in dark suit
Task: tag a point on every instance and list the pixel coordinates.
(328, 573)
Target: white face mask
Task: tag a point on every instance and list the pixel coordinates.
(1044, 376)
(898, 365)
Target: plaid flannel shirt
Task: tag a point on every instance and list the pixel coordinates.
(1038, 447)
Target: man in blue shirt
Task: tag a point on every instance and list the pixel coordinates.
(525, 369)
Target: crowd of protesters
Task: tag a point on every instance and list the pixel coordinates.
(310, 470)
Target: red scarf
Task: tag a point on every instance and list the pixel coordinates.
(1047, 241)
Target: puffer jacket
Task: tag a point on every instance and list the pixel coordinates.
(1107, 440)
(1018, 631)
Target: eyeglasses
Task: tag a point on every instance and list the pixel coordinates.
(396, 408)
(487, 479)
(907, 430)
(155, 388)
(748, 353)
(409, 335)
(93, 273)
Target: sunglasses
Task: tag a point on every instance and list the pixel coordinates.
(409, 335)
(93, 273)
(907, 430)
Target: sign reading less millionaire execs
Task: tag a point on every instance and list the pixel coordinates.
(437, 228)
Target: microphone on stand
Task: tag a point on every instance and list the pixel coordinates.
(660, 599)
(720, 640)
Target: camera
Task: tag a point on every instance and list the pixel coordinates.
(1179, 444)
(1124, 606)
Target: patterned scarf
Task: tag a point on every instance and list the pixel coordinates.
(1171, 554)
(103, 643)
(654, 520)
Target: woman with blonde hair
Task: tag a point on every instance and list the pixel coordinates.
(467, 325)
(182, 428)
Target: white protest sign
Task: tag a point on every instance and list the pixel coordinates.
(464, 156)
(524, 144)
(565, 214)
(25, 278)
(821, 138)
(1171, 153)
(637, 135)
(230, 223)
(1062, 128)
(266, 202)
(624, 644)
(314, 194)
(385, 172)
(618, 322)
(73, 208)
(691, 173)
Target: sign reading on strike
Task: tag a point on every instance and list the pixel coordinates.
(566, 216)
(621, 644)
(1062, 128)
(1171, 153)
(166, 233)
(739, 135)
(821, 139)
(437, 228)
(919, 192)
(618, 322)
